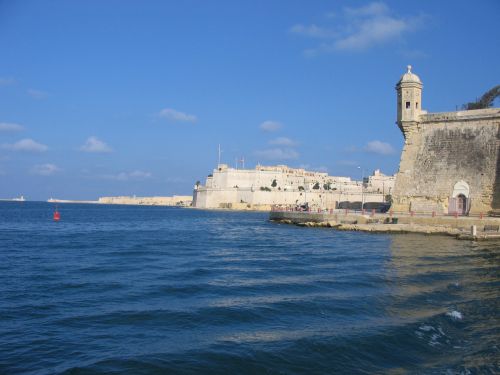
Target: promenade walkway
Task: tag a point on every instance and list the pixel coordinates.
(469, 226)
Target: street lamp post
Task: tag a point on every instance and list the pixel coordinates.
(362, 189)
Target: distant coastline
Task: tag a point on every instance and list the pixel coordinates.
(176, 200)
(51, 200)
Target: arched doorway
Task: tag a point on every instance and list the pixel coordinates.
(461, 204)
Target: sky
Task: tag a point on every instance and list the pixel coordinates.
(101, 98)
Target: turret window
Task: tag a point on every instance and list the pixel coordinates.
(416, 105)
(407, 105)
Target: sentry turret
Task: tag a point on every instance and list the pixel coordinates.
(409, 91)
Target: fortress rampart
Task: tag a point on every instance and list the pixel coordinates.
(264, 186)
(176, 200)
(450, 161)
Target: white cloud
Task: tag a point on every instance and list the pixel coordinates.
(378, 147)
(270, 126)
(371, 10)
(27, 145)
(45, 169)
(373, 31)
(139, 174)
(127, 176)
(313, 31)
(37, 94)
(283, 141)
(358, 29)
(94, 144)
(277, 154)
(6, 81)
(308, 167)
(177, 116)
(10, 127)
(351, 149)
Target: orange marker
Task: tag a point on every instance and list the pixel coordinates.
(57, 215)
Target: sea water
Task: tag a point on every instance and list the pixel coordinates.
(157, 290)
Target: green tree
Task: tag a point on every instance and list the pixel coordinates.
(486, 101)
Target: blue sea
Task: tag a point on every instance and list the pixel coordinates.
(158, 290)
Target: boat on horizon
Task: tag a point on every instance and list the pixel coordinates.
(18, 199)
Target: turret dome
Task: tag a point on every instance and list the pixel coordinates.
(409, 76)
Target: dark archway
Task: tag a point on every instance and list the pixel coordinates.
(461, 204)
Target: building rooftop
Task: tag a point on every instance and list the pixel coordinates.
(409, 76)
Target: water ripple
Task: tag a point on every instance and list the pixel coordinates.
(145, 290)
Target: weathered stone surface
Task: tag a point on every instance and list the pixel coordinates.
(176, 200)
(443, 151)
(265, 186)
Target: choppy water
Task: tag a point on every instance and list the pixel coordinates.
(151, 290)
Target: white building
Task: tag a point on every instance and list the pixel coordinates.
(264, 186)
(379, 183)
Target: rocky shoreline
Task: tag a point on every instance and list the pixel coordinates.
(461, 228)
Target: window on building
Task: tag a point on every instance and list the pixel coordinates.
(416, 105)
(407, 105)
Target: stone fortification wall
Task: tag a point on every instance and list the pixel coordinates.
(282, 176)
(446, 154)
(472, 115)
(176, 200)
(264, 186)
(245, 198)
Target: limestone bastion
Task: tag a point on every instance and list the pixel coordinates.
(450, 161)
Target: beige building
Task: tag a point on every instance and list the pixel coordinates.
(379, 183)
(450, 160)
(264, 186)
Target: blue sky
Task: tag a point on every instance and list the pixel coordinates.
(127, 97)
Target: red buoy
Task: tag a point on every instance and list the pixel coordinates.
(57, 215)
